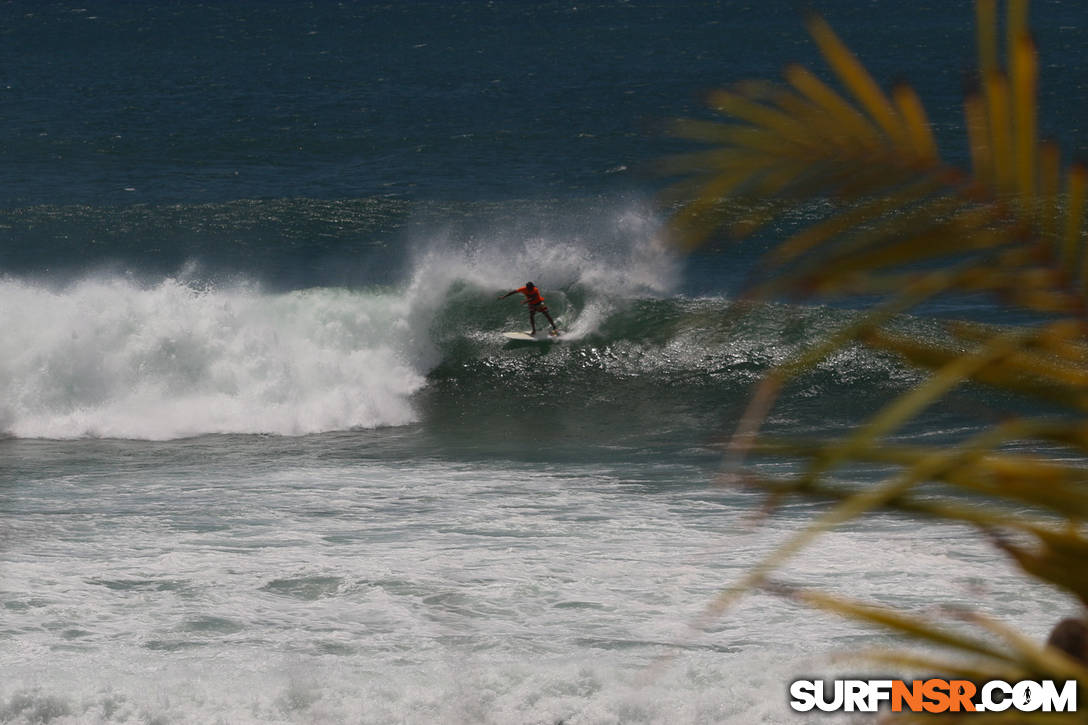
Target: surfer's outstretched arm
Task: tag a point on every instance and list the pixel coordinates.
(511, 292)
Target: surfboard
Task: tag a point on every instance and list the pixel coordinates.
(540, 336)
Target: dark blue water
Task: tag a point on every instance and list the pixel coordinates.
(469, 100)
(112, 105)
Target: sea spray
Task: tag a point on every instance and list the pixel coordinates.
(586, 266)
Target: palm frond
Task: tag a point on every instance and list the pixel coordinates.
(904, 224)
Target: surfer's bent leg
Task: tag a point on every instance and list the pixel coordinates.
(546, 314)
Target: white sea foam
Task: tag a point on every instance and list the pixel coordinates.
(113, 358)
(440, 592)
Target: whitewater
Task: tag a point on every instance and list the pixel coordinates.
(353, 578)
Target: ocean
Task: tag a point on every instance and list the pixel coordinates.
(265, 457)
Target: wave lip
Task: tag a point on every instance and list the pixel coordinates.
(110, 358)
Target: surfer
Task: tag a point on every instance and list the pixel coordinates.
(536, 304)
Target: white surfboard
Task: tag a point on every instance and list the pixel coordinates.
(526, 336)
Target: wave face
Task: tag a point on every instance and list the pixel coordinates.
(112, 358)
(109, 356)
(119, 356)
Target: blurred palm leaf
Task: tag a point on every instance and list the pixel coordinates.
(907, 226)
